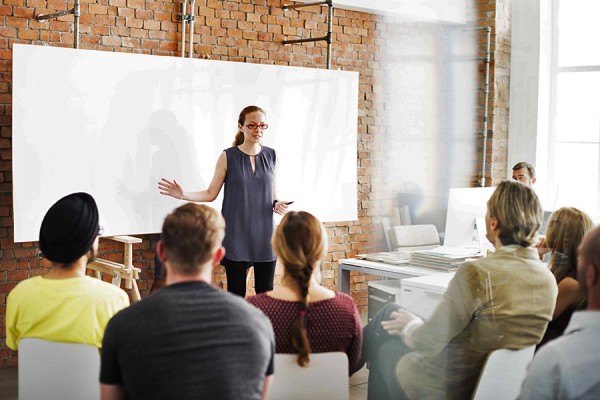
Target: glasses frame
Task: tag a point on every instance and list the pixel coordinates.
(253, 127)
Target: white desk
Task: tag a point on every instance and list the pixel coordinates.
(421, 295)
(379, 269)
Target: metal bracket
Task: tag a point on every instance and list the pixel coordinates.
(326, 38)
(75, 11)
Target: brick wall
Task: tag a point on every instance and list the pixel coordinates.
(496, 14)
(239, 30)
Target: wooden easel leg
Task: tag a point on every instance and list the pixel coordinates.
(135, 292)
(116, 280)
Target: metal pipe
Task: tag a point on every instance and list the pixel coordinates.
(183, 21)
(329, 31)
(486, 92)
(76, 13)
(326, 38)
(316, 3)
(42, 17)
(304, 40)
(191, 19)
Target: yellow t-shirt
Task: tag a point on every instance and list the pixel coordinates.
(74, 310)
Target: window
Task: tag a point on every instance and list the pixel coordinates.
(574, 142)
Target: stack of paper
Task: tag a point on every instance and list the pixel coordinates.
(446, 258)
(390, 257)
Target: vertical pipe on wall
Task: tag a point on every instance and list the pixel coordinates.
(76, 13)
(486, 91)
(191, 19)
(329, 30)
(183, 21)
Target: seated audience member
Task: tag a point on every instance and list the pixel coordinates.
(569, 367)
(504, 300)
(188, 340)
(566, 229)
(306, 316)
(65, 305)
(524, 173)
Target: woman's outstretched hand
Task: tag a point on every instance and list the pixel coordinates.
(169, 188)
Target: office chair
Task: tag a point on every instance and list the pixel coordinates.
(58, 371)
(325, 377)
(503, 374)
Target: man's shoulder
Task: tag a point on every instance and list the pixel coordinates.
(22, 288)
(104, 288)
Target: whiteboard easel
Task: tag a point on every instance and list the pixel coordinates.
(125, 271)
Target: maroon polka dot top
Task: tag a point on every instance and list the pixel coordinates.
(333, 324)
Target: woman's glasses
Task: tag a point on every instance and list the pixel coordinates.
(254, 126)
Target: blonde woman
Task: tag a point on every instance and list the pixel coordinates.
(566, 229)
(307, 317)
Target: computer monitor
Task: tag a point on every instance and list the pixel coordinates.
(464, 206)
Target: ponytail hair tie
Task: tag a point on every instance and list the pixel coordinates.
(301, 312)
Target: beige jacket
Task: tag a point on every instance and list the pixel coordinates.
(502, 301)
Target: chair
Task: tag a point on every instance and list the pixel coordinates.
(503, 374)
(325, 377)
(58, 371)
(414, 237)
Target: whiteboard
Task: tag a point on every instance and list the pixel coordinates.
(113, 124)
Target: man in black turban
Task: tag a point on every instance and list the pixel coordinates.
(70, 229)
(65, 305)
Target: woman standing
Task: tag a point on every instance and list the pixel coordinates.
(307, 317)
(247, 169)
(564, 234)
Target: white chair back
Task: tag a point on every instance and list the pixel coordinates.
(325, 377)
(414, 237)
(503, 374)
(387, 226)
(58, 371)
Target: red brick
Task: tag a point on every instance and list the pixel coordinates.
(134, 23)
(17, 276)
(152, 25)
(8, 265)
(135, 3)
(58, 5)
(126, 12)
(28, 35)
(23, 12)
(16, 22)
(111, 41)
(138, 33)
(98, 9)
(7, 287)
(8, 32)
(143, 14)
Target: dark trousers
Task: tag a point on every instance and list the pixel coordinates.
(383, 352)
(264, 273)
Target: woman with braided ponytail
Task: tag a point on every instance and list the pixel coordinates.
(307, 317)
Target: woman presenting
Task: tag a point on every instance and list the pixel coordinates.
(247, 169)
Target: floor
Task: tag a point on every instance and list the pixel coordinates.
(8, 384)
